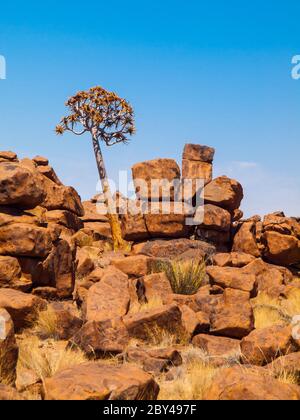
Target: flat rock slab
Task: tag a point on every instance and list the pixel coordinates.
(96, 381)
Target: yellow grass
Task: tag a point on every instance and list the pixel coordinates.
(269, 311)
(186, 277)
(47, 358)
(153, 303)
(46, 325)
(7, 373)
(191, 380)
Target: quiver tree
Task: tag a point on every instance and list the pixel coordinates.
(109, 119)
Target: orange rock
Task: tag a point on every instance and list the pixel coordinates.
(231, 277)
(219, 350)
(281, 249)
(96, 381)
(265, 345)
(245, 240)
(239, 384)
(224, 192)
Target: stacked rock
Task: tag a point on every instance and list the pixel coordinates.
(38, 216)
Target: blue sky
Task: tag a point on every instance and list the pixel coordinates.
(215, 73)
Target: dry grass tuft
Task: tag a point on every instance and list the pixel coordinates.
(7, 373)
(269, 311)
(153, 303)
(46, 325)
(48, 357)
(191, 380)
(186, 277)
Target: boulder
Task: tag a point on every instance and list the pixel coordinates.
(159, 178)
(215, 218)
(97, 339)
(100, 230)
(94, 212)
(19, 187)
(233, 316)
(154, 361)
(234, 278)
(7, 393)
(25, 240)
(64, 218)
(8, 156)
(289, 365)
(134, 227)
(11, 275)
(218, 350)
(96, 381)
(173, 248)
(169, 220)
(154, 286)
(199, 153)
(233, 259)
(194, 323)
(14, 216)
(238, 384)
(224, 192)
(135, 266)
(41, 161)
(197, 170)
(245, 240)
(147, 324)
(22, 307)
(49, 173)
(279, 223)
(59, 197)
(67, 319)
(265, 345)
(108, 299)
(281, 249)
(8, 347)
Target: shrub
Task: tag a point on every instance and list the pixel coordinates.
(186, 277)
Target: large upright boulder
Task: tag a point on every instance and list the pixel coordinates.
(224, 192)
(197, 164)
(160, 177)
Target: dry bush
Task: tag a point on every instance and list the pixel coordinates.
(186, 277)
(48, 357)
(191, 380)
(7, 372)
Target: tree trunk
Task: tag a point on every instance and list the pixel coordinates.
(118, 241)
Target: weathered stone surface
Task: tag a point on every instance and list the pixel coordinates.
(145, 324)
(220, 240)
(28, 382)
(49, 173)
(216, 218)
(224, 192)
(197, 170)
(96, 381)
(41, 161)
(61, 198)
(10, 216)
(245, 240)
(100, 230)
(233, 259)
(67, 319)
(84, 262)
(101, 338)
(153, 361)
(157, 170)
(22, 307)
(198, 152)
(134, 227)
(7, 393)
(135, 266)
(11, 275)
(290, 365)
(25, 240)
(232, 277)
(172, 248)
(194, 323)
(279, 223)
(8, 347)
(234, 316)
(94, 212)
(168, 220)
(8, 156)
(154, 286)
(236, 384)
(219, 350)
(265, 345)
(281, 249)
(110, 298)
(64, 218)
(19, 187)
